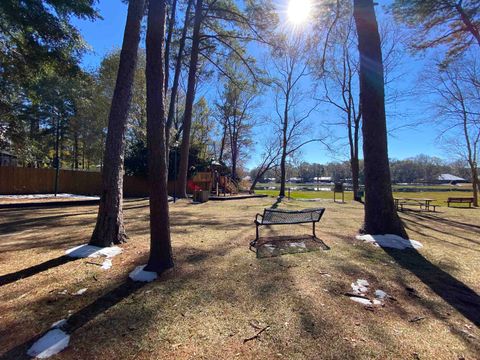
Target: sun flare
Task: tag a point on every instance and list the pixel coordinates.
(299, 11)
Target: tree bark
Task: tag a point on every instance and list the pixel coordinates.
(160, 244)
(468, 22)
(355, 169)
(109, 227)
(222, 144)
(190, 98)
(380, 214)
(283, 159)
(283, 176)
(475, 183)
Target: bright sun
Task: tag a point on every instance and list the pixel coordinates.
(299, 11)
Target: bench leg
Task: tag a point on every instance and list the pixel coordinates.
(314, 234)
(254, 242)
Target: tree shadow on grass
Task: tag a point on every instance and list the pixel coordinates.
(434, 217)
(29, 222)
(33, 270)
(83, 316)
(465, 300)
(276, 203)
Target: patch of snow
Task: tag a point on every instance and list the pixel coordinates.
(49, 344)
(380, 294)
(269, 247)
(63, 292)
(377, 302)
(141, 275)
(59, 324)
(361, 300)
(84, 251)
(360, 287)
(80, 292)
(107, 264)
(299, 245)
(390, 241)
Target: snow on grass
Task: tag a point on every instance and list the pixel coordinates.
(141, 275)
(380, 294)
(84, 251)
(49, 344)
(360, 300)
(80, 292)
(360, 287)
(107, 264)
(390, 241)
(59, 324)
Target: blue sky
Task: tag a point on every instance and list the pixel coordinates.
(106, 35)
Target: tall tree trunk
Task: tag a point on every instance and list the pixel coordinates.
(283, 160)
(75, 151)
(160, 245)
(109, 227)
(190, 98)
(222, 144)
(468, 22)
(176, 76)
(168, 42)
(234, 166)
(475, 182)
(354, 162)
(355, 168)
(83, 154)
(380, 214)
(283, 170)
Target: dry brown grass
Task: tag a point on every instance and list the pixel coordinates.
(219, 293)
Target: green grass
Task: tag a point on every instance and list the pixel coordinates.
(440, 197)
(462, 188)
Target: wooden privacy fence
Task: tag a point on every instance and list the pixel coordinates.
(19, 180)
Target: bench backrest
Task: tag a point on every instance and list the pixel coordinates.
(454, 199)
(276, 216)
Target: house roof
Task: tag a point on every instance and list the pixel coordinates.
(449, 177)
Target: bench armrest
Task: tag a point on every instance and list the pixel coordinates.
(256, 218)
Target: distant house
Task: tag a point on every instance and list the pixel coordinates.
(268, 180)
(7, 159)
(450, 179)
(295, 180)
(323, 179)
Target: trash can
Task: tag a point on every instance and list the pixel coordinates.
(201, 196)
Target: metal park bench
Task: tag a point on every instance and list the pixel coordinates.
(460, 200)
(287, 217)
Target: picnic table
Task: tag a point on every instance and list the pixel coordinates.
(424, 203)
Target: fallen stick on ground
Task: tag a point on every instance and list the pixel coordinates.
(417, 319)
(256, 335)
